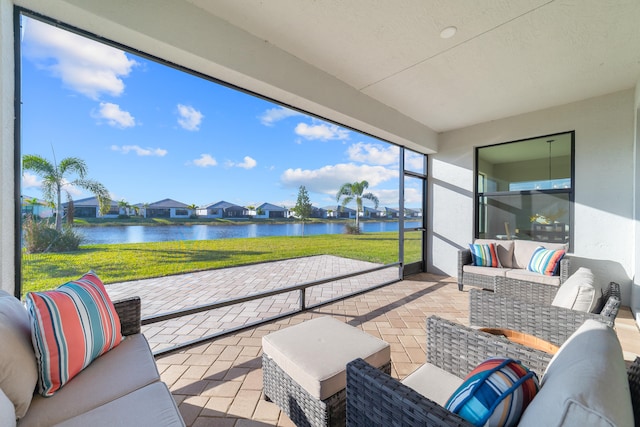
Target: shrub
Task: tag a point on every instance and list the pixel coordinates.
(40, 236)
(352, 229)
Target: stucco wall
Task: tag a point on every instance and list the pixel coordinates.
(604, 187)
(7, 199)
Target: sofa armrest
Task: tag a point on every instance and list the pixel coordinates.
(537, 293)
(376, 399)
(551, 323)
(565, 265)
(458, 349)
(129, 312)
(464, 258)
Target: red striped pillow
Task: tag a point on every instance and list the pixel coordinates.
(70, 327)
(484, 255)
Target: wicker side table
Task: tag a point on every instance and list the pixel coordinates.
(304, 368)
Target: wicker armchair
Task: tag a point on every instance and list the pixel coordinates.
(376, 399)
(519, 310)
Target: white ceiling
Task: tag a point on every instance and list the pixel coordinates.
(508, 56)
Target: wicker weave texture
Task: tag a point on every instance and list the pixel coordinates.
(458, 349)
(527, 291)
(553, 324)
(302, 408)
(633, 373)
(374, 399)
(129, 313)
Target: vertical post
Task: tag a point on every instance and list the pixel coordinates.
(303, 302)
(401, 214)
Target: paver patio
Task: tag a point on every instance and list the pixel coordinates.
(219, 383)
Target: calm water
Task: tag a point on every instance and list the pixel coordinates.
(143, 234)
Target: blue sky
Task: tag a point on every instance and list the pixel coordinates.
(150, 132)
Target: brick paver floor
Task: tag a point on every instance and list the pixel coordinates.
(219, 383)
(166, 294)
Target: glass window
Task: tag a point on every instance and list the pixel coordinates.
(525, 189)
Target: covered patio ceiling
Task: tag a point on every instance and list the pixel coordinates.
(382, 66)
(506, 58)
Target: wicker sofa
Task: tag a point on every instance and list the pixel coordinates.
(584, 384)
(514, 256)
(529, 307)
(121, 387)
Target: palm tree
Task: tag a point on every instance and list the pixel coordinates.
(55, 177)
(355, 191)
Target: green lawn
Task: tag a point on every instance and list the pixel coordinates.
(117, 263)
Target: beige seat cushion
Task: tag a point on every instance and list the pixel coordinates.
(524, 249)
(315, 353)
(118, 372)
(504, 249)
(532, 276)
(7, 411)
(150, 406)
(433, 383)
(486, 271)
(585, 384)
(18, 366)
(578, 292)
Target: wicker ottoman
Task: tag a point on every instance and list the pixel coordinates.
(304, 368)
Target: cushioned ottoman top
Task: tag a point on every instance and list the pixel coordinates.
(315, 353)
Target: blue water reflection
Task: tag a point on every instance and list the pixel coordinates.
(143, 234)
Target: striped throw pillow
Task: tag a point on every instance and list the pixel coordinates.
(70, 327)
(484, 255)
(495, 393)
(545, 261)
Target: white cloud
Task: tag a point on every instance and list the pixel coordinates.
(83, 65)
(414, 161)
(272, 115)
(374, 154)
(412, 197)
(30, 180)
(190, 118)
(247, 163)
(115, 116)
(323, 132)
(205, 160)
(328, 179)
(125, 149)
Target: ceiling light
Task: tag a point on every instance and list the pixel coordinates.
(448, 32)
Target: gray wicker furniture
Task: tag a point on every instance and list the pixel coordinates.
(304, 368)
(514, 256)
(521, 312)
(376, 399)
(121, 387)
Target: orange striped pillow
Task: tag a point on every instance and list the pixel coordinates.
(70, 327)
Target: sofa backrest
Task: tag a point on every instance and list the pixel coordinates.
(524, 249)
(585, 383)
(18, 368)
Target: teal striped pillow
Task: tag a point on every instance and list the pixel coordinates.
(495, 393)
(545, 261)
(70, 327)
(484, 255)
